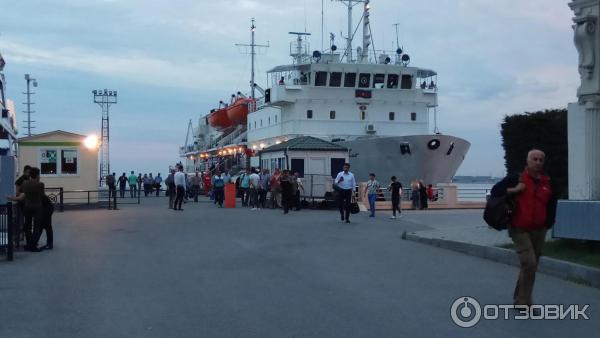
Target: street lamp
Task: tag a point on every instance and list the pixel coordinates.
(29, 81)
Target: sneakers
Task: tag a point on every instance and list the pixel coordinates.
(393, 217)
(253, 209)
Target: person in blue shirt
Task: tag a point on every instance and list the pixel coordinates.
(244, 185)
(345, 183)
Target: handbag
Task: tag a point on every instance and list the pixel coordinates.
(354, 209)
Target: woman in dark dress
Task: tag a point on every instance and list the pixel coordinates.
(287, 191)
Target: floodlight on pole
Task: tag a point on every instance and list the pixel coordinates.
(104, 98)
(30, 81)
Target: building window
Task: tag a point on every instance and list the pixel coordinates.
(269, 120)
(321, 79)
(392, 116)
(392, 81)
(68, 162)
(364, 80)
(337, 165)
(363, 115)
(378, 80)
(254, 124)
(261, 122)
(407, 82)
(335, 79)
(350, 80)
(332, 115)
(297, 165)
(275, 119)
(309, 114)
(413, 116)
(48, 162)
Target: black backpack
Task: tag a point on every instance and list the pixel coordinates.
(500, 206)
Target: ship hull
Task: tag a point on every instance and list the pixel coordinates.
(421, 159)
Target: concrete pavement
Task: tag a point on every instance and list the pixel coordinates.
(146, 271)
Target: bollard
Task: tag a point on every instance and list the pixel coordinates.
(230, 195)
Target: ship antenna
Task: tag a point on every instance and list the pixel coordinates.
(350, 4)
(322, 26)
(397, 41)
(252, 53)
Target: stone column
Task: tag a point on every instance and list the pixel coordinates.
(586, 176)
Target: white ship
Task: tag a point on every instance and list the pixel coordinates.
(374, 103)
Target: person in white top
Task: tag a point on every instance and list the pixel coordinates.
(180, 187)
(253, 189)
(345, 183)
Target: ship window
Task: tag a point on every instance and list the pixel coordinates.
(405, 148)
(363, 80)
(269, 120)
(254, 124)
(350, 80)
(450, 149)
(392, 116)
(378, 80)
(321, 79)
(363, 115)
(261, 122)
(275, 119)
(335, 79)
(413, 116)
(332, 115)
(392, 81)
(407, 81)
(309, 114)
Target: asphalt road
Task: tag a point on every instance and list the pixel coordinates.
(146, 271)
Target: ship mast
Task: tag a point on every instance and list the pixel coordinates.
(252, 46)
(350, 4)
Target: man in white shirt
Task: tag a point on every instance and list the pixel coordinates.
(180, 187)
(253, 188)
(346, 183)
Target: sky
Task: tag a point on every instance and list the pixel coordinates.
(172, 61)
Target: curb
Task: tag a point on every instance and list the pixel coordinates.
(565, 270)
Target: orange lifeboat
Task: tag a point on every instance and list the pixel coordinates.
(218, 119)
(237, 112)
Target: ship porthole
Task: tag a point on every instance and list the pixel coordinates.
(433, 144)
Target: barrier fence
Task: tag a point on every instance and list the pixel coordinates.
(6, 230)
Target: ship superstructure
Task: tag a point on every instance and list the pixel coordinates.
(373, 102)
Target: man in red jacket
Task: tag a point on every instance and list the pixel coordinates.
(534, 214)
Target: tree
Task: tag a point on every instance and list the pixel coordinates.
(544, 130)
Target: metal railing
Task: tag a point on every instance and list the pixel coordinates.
(6, 230)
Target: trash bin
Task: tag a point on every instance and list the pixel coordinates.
(230, 195)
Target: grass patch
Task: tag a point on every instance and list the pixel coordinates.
(575, 251)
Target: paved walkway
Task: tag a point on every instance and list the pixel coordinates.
(146, 271)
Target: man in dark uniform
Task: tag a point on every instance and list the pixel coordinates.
(31, 193)
(20, 205)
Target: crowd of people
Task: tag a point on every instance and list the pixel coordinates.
(150, 185)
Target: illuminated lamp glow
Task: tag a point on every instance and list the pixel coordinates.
(91, 142)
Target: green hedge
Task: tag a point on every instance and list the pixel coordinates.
(544, 130)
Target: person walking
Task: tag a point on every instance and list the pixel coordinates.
(396, 188)
(345, 183)
(31, 194)
(422, 195)
(253, 184)
(299, 189)
(206, 182)
(218, 186)
(122, 185)
(263, 188)
(371, 191)
(46, 222)
(133, 185)
(244, 185)
(180, 187)
(414, 194)
(157, 184)
(287, 191)
(195, 185)
(171, 189)
(534, 214)
(275, 189)
(150, 184)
